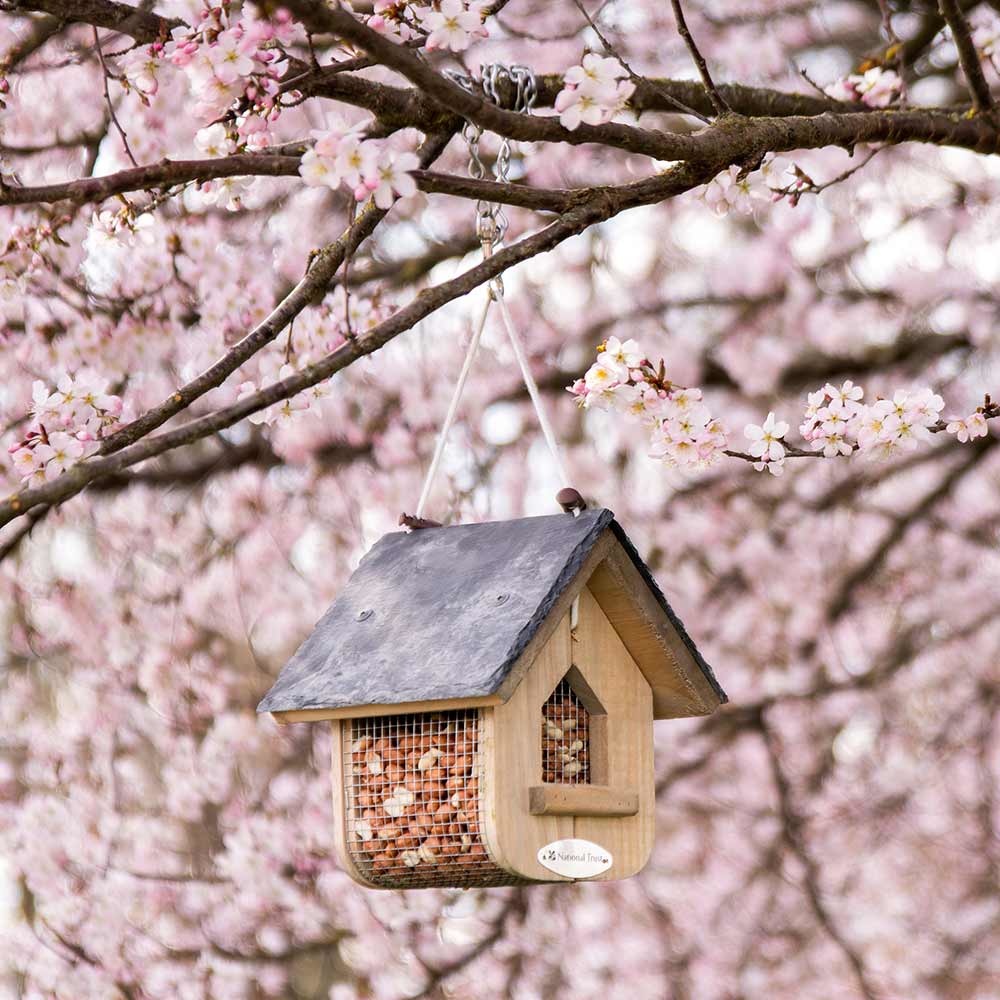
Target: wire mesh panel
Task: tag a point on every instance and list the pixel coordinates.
(565, 738)
(413, 801)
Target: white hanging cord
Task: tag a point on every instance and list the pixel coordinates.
(543, 421)
(491, 226)
(449, 419)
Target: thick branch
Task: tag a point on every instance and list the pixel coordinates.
(733, 140)
(138, 24)
(167, 173)
(41, 31)
(164, 174)
(391, 104)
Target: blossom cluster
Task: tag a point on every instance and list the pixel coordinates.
(740, 190)
(20, 256)
(225, 60)
(314, 336)
(218, 140)
(837, 421)
(593, 92)
(110, 246)
(450, 24)
(372, 168)
(684, 433)
(67, 424)
(876, 87)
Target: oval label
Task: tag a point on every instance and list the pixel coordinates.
(573, 858)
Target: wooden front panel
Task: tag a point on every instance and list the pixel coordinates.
(514, 831)
(626, 696)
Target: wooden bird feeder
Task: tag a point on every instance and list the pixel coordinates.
(492, 690)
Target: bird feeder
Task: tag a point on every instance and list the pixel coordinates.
(492, 690)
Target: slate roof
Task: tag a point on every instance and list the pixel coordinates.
(443, 613)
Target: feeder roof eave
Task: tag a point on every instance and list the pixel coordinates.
(448, 617)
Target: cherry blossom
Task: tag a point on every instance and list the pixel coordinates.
(452, 24)
(593, 92)
(987, 39)
(968, 428)
(214, 140)
(371, 168)
(876, 87)
(766, 445)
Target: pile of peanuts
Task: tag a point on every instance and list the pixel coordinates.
(565, 739)
(415, 794)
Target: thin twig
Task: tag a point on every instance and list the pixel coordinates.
(23, 530)
(633, 76)
(346, 283)
(982, 100)
(107, 98)
(721, 108)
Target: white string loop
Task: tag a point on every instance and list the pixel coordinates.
(456, 396)
(529, 381)
(491, 226)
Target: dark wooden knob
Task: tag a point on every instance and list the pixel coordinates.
(570, 500)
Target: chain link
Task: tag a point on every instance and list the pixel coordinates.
(497, 81)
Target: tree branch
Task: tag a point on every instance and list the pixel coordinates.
(679, 179)
(718, 103)
(42, 30)
(323, 267)
(164, 174)
(793, 830)
(982, 100)
(138, 24)
(843, 597)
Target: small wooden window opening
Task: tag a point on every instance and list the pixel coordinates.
(575, 767)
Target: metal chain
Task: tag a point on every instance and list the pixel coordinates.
(497, 80)
(491, 227)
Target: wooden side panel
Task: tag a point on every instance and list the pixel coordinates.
(339, 732)
(619, 684)
(680, 688)
(513, 731)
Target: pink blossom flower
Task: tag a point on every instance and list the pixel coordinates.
(596, 75)
(625, 353)
(452, 26)
(968, 428)
(214, 140)
(765, 439)
(229, 62)
(61, 451)
(877, 87)
(392, 178)
(593, 92)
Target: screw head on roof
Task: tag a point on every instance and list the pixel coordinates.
(502, 598)
(363, 616)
